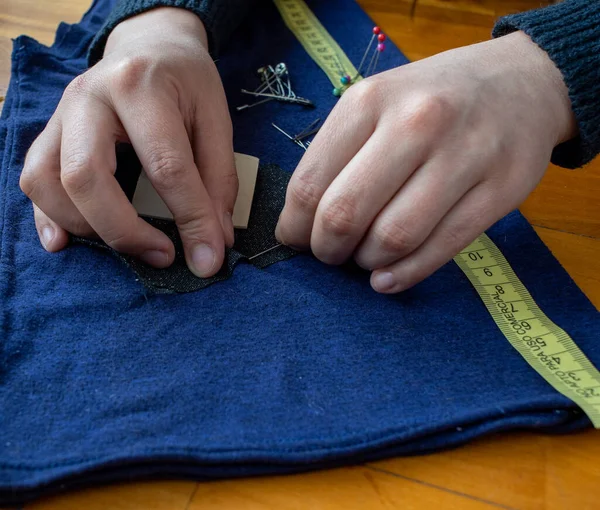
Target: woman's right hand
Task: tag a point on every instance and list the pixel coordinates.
(158, 89)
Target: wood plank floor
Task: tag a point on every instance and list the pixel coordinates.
(524, 470)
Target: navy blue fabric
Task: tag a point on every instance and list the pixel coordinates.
(293, 367)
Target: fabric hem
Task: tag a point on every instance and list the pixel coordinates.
(384, 439)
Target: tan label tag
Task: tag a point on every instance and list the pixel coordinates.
(147, 202)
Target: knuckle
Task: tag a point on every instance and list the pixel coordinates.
(166, 168)
(196, 228)
(78, 86)
(117, 239)
(430, 111)
(364, 97)
(304, 193)
(30, 178)
(230, 184)
(80, 227)
(131, 71)
(77, 175)
(395, 238)
(455, 237)
(230, 179)
(34, 169)
(340, 217)
(30, 184)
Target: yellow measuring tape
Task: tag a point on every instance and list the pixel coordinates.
(316, 41)
(546, 347)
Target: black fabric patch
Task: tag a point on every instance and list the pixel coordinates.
(269, 198)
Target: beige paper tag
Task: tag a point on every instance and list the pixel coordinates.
(147, 202)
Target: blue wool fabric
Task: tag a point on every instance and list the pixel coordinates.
(293, 367)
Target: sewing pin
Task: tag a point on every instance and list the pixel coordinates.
(275, 84)
(375, 59)
(286, 99)
(297, 142)
(280, 91)
(246, 106)
(266, 78)
(311, 129)
(376, 33)
(345, 78)
(281, 69)
(266, 251)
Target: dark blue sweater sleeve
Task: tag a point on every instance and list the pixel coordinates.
(220, 19)
(570, 33)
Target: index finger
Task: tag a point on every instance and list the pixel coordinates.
(343, 134)
(88, 162)
(157, 131)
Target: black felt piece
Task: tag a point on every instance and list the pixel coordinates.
(269, 198)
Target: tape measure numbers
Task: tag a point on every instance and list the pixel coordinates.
(546, 347)
(316, 41)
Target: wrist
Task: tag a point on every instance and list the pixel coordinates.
(162, 23)
(545, 84)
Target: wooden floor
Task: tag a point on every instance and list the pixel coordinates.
(524, 470)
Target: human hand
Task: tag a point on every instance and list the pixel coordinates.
(413, 164)
(158, 89)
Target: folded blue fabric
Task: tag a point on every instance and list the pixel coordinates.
(292, 367)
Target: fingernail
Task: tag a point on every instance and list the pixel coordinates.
(203, 259)
(383, 282)
(228, 228)
(47, 236)
(155, 258)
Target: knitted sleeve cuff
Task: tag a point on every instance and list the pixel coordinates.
(570, 33)
(220, 19)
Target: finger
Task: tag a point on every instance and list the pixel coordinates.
(346, 130)
(40, 181)
(52, 236)
(410, 217)
(476, 212)
(157, 132)
(359, 193)
(88, 163)
(212, 143)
